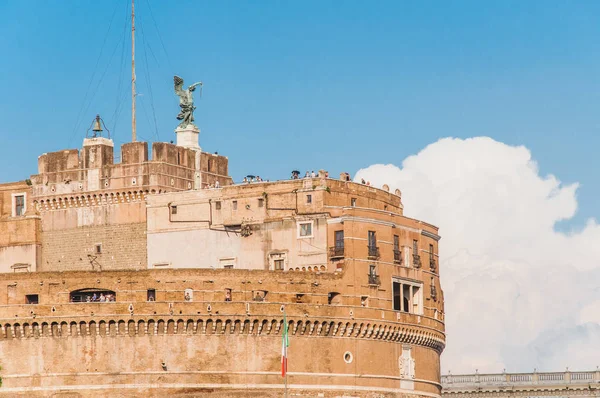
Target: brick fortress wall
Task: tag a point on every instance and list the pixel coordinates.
(134, 347)
(93, 211)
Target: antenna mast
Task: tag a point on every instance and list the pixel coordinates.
(133, 132)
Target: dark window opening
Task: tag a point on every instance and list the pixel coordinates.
(32, 299)
(339, 239)
(334, 298)
(373, 277)
(337, 251)
(99, 248)
(373, 249)
(92, 295)
(210, 165)
(173, 209)
(308, 199)
(397, 253)
(259, 295)
(364, 301)
(353, 202)
(218, 205)
(261, 202)
(397, 298)
(299, 298)
(372, 239)
(151, 295)
(227, 294)
(234, 204)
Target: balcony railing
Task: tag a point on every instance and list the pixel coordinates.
(397, 257)
(374, 280)
(416, 261)
(336, 252)
(432, 265)
(373, 252)
(551, 381)
(433, 293)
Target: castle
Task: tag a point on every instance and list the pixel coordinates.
(159, 275)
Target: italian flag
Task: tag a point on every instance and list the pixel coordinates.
(285, 343)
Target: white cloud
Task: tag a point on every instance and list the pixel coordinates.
(519, 295)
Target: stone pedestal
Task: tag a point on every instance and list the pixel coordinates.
(187, 136)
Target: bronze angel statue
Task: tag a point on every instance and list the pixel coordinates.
(186, 102)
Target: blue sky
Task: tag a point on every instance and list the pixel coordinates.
(311, 84)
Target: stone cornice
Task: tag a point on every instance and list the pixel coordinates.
(132, 325)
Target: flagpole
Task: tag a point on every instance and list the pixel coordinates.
(285, 326)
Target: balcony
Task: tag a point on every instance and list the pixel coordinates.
(373, 252)
(432, 265)
(336, 252)
(416, 261)
(374, 280)
(397, 257)
(433, 293)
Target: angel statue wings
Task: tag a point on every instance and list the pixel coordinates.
(186, 101)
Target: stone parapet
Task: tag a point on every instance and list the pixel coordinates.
(563, 384)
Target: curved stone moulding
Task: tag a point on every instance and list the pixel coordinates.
(88, 200)
(158, 325)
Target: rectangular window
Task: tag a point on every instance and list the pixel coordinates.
(98, 248)
(151, 295)
(407, 297)
(305, 229)
(32, 299)
(415, 247)
(308, 199)
(339, 239)
(234, 205)
(372, 239)
(353, 202)
(397, 252)
(431, 252)
(218, 205)
(19, 205)
(416, 304)
(278, 265)
(372, 270)
(228, 266)
(173, 209)
(261, 202)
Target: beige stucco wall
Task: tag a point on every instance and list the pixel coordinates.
(19, 235)
(200, 235)
(21, 254)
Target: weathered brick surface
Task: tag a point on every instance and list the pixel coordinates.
(123, 247)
